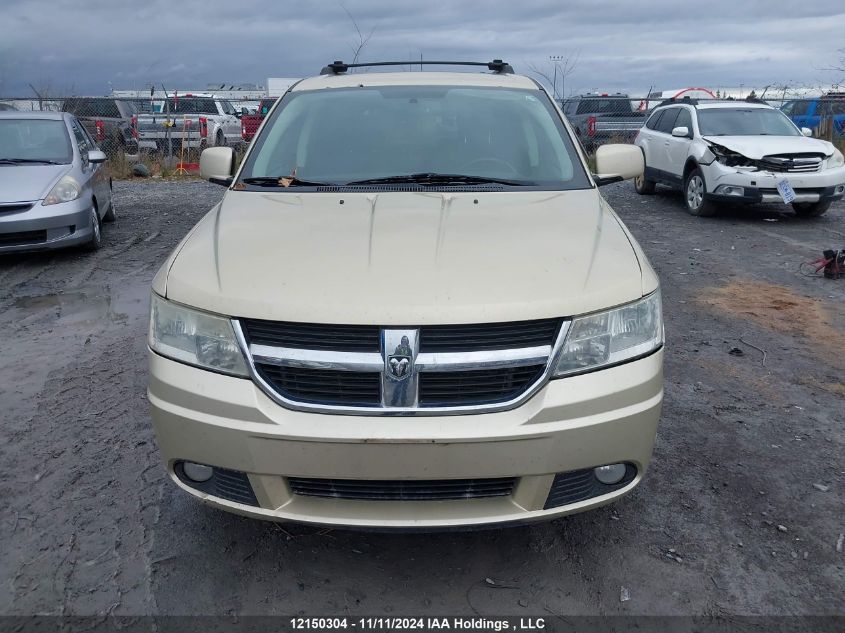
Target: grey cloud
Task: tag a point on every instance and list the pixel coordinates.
(87, 45)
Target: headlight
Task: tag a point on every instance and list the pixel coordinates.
(837, 160)
(608, 338)
(66, 189)
(197, 338)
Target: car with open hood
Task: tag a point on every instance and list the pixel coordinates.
(738, 152)
(412, 308)
(54, 188)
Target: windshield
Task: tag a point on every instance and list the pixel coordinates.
(34, 140)
(193, 105)
(744, 122)
(345, 135)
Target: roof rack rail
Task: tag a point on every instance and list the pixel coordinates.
(338, 67)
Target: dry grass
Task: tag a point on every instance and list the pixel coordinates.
(780, 309)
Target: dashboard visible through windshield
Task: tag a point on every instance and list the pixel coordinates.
(425, 134)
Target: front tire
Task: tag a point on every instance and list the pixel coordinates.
(643, 186)
(695, 190)
(810, 209)
(96, 232)
(111, 214)
(220, 140)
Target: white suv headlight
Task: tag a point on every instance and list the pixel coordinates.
(608, 338)
(837, 160)
(65, 190)
(197, 338)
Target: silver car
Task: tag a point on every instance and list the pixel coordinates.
(54, 188)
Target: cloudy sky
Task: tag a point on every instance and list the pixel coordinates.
(90, 46)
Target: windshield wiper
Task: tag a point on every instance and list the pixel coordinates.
(284, 181)
(428, 178)
(19, 161)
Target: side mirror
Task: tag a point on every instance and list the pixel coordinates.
(806, 131)
(216, 165)
(681, 131)
(95, 156)
(617, 162)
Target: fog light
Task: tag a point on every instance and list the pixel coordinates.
(610, 474)
(840, 189)
(730, 190)
(199, 472)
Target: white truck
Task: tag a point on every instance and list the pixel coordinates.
(200, 120)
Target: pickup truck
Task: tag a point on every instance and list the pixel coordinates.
(201, 120)
(108, 121)
(251, 122)
(809, 112)
(602, 118)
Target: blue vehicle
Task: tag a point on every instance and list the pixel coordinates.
(809, 112)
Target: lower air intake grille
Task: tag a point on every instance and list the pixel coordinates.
(231, 485)
(403, 490)
(580, 485)
(324, 386)
(23, 237)
(482, 386)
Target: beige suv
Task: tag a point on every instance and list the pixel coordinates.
(412, 308)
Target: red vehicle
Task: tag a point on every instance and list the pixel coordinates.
(251, 122)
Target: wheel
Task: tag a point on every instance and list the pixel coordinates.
(96, 233)
(220, 139)
(111, 214)
(694, 191)
(643, 186)
(810, 209)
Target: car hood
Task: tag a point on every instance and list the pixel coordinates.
(406, 258)
(25, 183)
(755, 147)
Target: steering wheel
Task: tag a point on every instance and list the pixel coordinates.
(490, 160)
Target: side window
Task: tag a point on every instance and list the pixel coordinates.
(81, 139)
(684, 120)
(106, 108)
(227, 107)
(91, 142)
(667, 121)
(799, 108)
(654, 120)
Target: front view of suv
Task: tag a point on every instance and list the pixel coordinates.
(412, 308)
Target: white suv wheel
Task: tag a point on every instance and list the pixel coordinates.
(694, 195)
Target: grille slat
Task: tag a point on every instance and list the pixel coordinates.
(477, 386)
(488, 336)
(402, 490)
(340, 338)
(325, 386)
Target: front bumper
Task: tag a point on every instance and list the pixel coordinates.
(46, 227)
(761, 186)
(157, 141)
(580, 422)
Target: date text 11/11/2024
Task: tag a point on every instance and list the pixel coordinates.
(396, 623)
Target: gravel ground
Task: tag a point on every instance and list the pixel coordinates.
(91, 525)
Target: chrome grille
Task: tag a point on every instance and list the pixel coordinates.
(799, 163)
(463, 368)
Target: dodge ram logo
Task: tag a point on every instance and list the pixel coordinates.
(399, 363)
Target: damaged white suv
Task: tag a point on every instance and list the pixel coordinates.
(738, 151)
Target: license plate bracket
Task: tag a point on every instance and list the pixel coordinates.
(787, 193)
